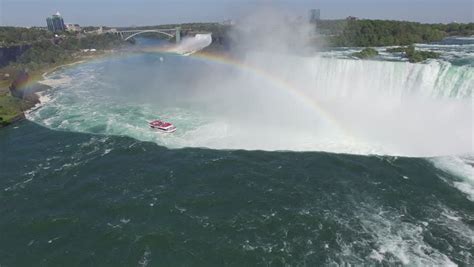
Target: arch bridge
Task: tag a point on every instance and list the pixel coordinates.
(171, 33)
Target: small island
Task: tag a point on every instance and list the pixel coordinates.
(412, 54)
(366, 53)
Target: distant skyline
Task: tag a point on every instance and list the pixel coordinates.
(148, 12)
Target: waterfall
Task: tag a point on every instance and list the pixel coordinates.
(361, 78)
(273, 102)
(435, 79)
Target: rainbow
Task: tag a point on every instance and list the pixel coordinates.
(276, 82)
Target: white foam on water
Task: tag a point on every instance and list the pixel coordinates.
(19, 184)
(463, 168)
(455, 223)
(43, 98)
(55, 80)
(342, 106)
(397, 241)
(145, 259)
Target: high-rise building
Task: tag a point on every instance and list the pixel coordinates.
(314, 15)
(56, 23)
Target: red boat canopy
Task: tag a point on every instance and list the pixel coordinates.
(158, 123)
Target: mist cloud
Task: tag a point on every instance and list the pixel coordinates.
(280, 96)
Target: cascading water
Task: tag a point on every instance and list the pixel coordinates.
(397, 79)
(274, 102)
(73, 196)
(408, 109)
(191, 45)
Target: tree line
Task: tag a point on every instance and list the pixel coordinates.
(363, 33)
(57, 50)
(11, 36)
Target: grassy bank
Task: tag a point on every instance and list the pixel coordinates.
(45, 53)
(12, 108)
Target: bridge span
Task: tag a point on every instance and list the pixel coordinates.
(128, 34)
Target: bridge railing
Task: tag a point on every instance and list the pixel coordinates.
(127, 34)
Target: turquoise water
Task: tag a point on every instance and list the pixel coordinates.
(256, 175)
(81, 199)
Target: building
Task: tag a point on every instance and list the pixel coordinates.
(314, 15)
(351, 18)
(56, 23)
(228, 22)
(73, 27)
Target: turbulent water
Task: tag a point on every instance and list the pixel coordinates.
(239, 108)
(279, 160)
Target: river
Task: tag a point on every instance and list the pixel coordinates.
(277, 160)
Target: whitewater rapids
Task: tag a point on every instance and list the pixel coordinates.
(299, 104)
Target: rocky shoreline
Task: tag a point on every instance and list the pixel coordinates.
(25, 89)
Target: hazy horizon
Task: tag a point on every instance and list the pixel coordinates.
(147, 12)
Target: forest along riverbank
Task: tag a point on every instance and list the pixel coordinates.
(41, 51)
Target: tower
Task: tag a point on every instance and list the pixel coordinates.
(56, 23)
(314, 15)
(178, 34)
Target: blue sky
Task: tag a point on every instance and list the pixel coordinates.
(148, 12)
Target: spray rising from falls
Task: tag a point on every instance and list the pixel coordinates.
(272, 102)
(190, 45)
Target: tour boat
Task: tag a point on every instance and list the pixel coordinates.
(162, 126)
